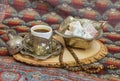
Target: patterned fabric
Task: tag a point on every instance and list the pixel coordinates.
(10, 70)
(13, 21)
(19, 4)
(28, 14)
(33, 23)
(52, 18)
(23, 14)
(89, 13)
(41, 7)
(11, 12)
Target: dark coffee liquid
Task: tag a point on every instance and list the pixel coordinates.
(41, 30)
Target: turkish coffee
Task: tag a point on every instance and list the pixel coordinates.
(41, 30)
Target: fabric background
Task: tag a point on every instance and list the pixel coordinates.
(21, 15)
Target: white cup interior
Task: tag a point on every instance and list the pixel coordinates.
(46, 35)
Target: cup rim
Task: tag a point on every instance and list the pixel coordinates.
(41, 34)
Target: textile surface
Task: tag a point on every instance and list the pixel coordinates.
(10, 70)
(21, 15)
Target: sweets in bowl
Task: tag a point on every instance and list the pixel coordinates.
(78, 33)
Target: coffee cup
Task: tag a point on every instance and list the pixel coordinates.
(41, 39)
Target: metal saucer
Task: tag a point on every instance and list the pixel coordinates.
(56, 48)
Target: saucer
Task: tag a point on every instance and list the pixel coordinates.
(27, 50)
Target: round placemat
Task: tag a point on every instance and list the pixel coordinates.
(96, 51)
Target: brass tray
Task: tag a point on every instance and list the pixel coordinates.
(96, 52)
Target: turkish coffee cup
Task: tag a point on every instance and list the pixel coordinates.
(41, 39)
